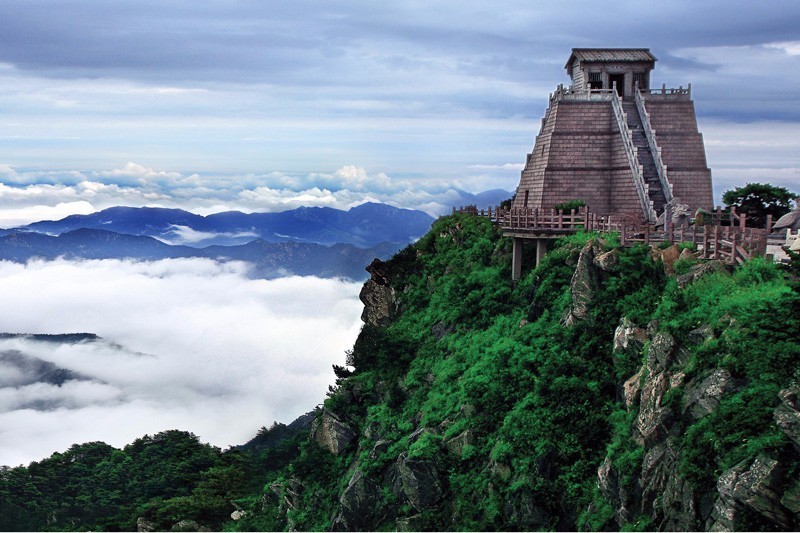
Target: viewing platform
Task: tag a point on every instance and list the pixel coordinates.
(723, 236)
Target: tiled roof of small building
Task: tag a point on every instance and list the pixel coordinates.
(610, 54)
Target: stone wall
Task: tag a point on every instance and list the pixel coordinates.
(579, 155)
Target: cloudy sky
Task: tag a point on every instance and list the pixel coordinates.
(186, 344)
(269, 105)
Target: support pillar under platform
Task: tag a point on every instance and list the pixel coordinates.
(541, 249)
(516, 259)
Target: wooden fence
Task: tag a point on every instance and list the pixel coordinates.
(723, 236)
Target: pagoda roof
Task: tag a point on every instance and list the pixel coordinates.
(609, 55)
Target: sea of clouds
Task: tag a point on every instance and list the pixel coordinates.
(188, 344)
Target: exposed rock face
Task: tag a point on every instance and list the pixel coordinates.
(417, 482)
(359, 504)
(787, 414)
(703, 396)
(331, 433)
(654, 419)
(607, 260)
(755, 489)
(659, 489)
(582, 287)
(377, 295)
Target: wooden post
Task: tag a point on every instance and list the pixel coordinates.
(769, 224)
(516, 259)
(734, 251)
(716, 242)
(586, 218)
(743, 220)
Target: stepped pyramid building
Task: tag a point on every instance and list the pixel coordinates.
(613, 142)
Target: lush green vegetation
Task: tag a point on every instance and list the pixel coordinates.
(515, 410)
(164, 479)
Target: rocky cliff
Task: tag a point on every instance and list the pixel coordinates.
(610, 388)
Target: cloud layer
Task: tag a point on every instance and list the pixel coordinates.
(187, 344)
(28, 196)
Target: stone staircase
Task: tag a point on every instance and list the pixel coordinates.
(645, 156)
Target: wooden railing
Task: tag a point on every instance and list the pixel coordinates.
(733, 243)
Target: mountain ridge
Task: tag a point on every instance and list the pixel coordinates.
(269, 260)
(364, 225)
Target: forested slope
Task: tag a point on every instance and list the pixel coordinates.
(610, 388)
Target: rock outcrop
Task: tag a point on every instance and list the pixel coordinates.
(377, 295)
(332, 433)
(583, 286)
(659, 489)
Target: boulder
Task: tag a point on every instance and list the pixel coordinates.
(668, 256)
(698, 271)
(360, 503)
(331, 433)
(418, 481)
(701, 335)
(188, 525)
(659, 357)
(143, 524)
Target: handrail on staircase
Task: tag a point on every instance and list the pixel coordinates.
(633, 161)
(650, 134)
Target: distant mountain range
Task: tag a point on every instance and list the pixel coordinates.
(270, 260)
(364, 226)
(316, 241)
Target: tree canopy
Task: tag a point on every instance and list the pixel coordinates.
(758, 200)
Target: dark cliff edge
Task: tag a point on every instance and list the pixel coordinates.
(611, 388)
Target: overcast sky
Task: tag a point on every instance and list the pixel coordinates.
(267, 105)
